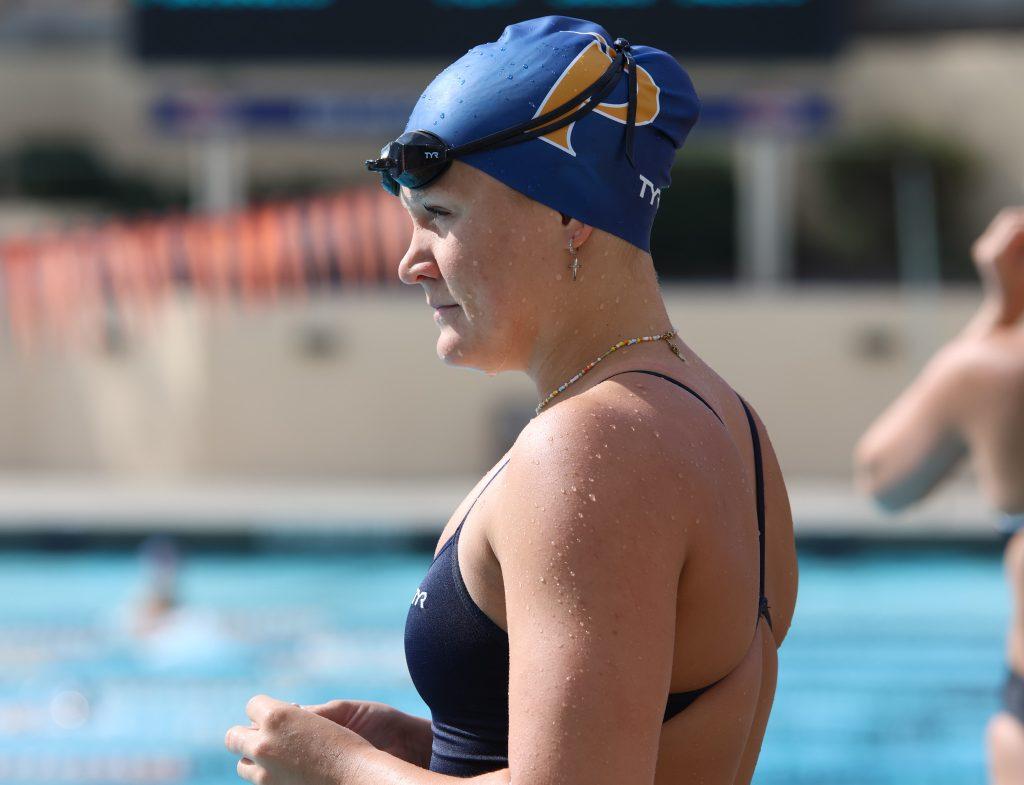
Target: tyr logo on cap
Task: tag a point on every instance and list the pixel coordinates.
(588, 65)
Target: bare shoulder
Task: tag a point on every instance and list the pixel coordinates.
(601, 464)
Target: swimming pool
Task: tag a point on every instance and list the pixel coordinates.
(889, 673)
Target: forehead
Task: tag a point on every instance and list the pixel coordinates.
(461, 183)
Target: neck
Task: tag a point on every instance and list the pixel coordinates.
(573, 342)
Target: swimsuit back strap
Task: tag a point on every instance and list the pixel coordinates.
(690, 390)
(763, 609)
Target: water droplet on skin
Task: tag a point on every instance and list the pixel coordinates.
(592, 497)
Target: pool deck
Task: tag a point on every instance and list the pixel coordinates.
(46, 503)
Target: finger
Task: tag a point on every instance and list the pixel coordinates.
(259, 706)
(248, 770)
(339, 711)
(241, 741)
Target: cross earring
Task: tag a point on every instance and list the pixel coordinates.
(575, 260)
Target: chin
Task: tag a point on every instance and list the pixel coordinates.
(453, 349)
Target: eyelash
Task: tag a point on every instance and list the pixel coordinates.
(435, 211)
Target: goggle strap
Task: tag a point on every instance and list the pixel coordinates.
(631, 97)
(603, 85)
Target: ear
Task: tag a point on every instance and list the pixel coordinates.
(576, 230)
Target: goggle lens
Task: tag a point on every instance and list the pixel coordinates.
(412, 160)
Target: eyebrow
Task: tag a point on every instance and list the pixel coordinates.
(420, 196)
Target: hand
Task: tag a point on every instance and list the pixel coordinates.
(385, 727)
(999, 256)
(287, 745)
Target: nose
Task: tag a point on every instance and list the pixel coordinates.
(418, 263)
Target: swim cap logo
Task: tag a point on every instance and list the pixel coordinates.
(582, 72)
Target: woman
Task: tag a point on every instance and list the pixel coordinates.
(970, 399)
(596, 611)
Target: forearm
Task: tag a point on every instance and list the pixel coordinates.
(899, 489)
(420, 737)
(915, 442)
(374, 767)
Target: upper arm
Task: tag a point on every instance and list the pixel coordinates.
(918, 440)
(590, 590)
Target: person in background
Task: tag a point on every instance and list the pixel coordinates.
(160, 561)
(969, 401)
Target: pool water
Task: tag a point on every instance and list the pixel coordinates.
(888, 676)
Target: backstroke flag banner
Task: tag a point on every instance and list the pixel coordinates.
(57, 283)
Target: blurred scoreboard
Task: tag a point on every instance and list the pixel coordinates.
(229, 30)
(899, 16)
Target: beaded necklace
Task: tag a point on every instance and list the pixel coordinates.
(586, 368)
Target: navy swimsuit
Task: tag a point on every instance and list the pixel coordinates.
(458, 657)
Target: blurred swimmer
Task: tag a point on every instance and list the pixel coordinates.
(160, 561)
(597, 610)
(168, 635)
(969, 400)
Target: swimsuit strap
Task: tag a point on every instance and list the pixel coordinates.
(454, 535)
(481, 493)
(763, 609)
(690, 390)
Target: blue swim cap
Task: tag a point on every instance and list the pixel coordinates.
(581, 169)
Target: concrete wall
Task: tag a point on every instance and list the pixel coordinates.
(349, 386)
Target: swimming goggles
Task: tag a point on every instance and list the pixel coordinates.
(417, 158)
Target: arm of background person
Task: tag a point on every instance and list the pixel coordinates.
(919, 439)
(916, 442)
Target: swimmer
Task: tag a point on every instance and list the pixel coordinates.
(606, 605)
(161, 561)
(969, 401)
